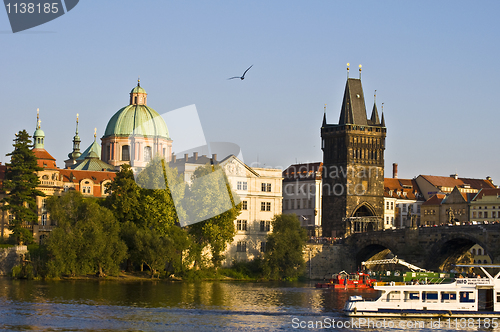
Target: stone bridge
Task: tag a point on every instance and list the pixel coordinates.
(426, 247)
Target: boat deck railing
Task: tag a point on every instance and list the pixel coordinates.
(429, 281)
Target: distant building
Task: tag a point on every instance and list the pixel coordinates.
(430, 184)
(90, 180)
(479, 255)
(259, 190)
(302, 193)
(485, 206)
(353, 161)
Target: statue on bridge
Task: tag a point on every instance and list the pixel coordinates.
(451, 216)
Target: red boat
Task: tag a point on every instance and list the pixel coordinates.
(344, 280)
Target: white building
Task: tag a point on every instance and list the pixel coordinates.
(259, 190)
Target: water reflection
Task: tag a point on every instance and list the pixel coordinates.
(163, 306)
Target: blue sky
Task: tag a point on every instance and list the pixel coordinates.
(434, 66)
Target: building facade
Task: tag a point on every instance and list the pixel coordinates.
(302, 194)
(353, 160)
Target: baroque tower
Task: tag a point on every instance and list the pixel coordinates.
(353, 161)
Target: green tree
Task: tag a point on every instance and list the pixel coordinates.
(20, 183)
(125, 196)
(87, 239)
(210, 195)
(283, 258)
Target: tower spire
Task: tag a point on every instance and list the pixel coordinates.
(324, 117)
(76, 143)
(348, 70)
(39, 135)
(360, 71)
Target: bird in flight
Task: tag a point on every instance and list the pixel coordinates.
(243, 76)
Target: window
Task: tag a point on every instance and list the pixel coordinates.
(241, 225)
(310, 203)
(241, 185)
(44, 219)
(292, 204)
(493, 214)
(126, 153)
(392, 205)
(448, 296)
(418, 208)
(298, 203)
(266, 206)
(387, 220)
(148, 153)
(467, 297)
(430, 296)
(86, 190)
(263, 247)
(485, 214)
(11, 218)
(241, 246)
(265, 226)
(244, 205)
(387, 206)
(44, 205)
(304, 203)
(404, 207)
(473, 214)
(480, 214)
(266, 187)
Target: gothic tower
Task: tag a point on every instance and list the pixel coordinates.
(353, 174)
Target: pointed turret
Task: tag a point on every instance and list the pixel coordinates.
(39, 135)
(374, 118)
(383, 121)
(324, 118)
(353, 106)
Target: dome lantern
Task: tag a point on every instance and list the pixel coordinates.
(138, 95)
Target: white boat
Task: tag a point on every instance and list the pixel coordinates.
(465, 297)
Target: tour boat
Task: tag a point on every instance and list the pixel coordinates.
(344, 280)
(464, 297)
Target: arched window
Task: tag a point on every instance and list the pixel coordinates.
(479, 252)
(147, 153)
(474, 252)
(126, 153)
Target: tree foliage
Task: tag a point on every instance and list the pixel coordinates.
(87, 239)
(20, 182)
(283, 258)
(211, 196)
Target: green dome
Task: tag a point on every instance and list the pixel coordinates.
(39, 133)
(138, 89)
(138, 120)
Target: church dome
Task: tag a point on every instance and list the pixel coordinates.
(138, 89)
(138, 120)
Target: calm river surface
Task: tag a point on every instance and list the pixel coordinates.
(163, 306)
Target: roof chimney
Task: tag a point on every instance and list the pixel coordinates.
(455, 176)
(214, 157)
(186, 157)
(394, 170)
(174, 158)
(487, 178)
(195, 155)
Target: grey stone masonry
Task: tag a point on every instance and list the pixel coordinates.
(10, 257)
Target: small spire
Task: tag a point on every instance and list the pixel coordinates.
(348, 70)
(382, 123)
(375, 97)
(325, 108)
(76, 132)
(95, 133)
(360, 71)
(139, 81)
(37, 118)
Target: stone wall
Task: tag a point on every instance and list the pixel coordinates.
(10, 257)
(323, 260)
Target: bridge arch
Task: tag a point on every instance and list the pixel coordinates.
(452, 248)
(370, 249)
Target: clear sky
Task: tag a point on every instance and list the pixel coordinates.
(434, 65)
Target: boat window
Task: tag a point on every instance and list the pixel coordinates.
(498, 296)
(448, 296)
(412, 296)
(394, 296)
(430, 296)
(467, 297)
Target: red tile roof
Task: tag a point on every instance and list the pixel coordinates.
(45, 160)
(435, 199)
(304, 171)
(96, 176)
(487, 192)
(398, 188)
(451, 182)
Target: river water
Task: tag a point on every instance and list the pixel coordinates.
(177, 306)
